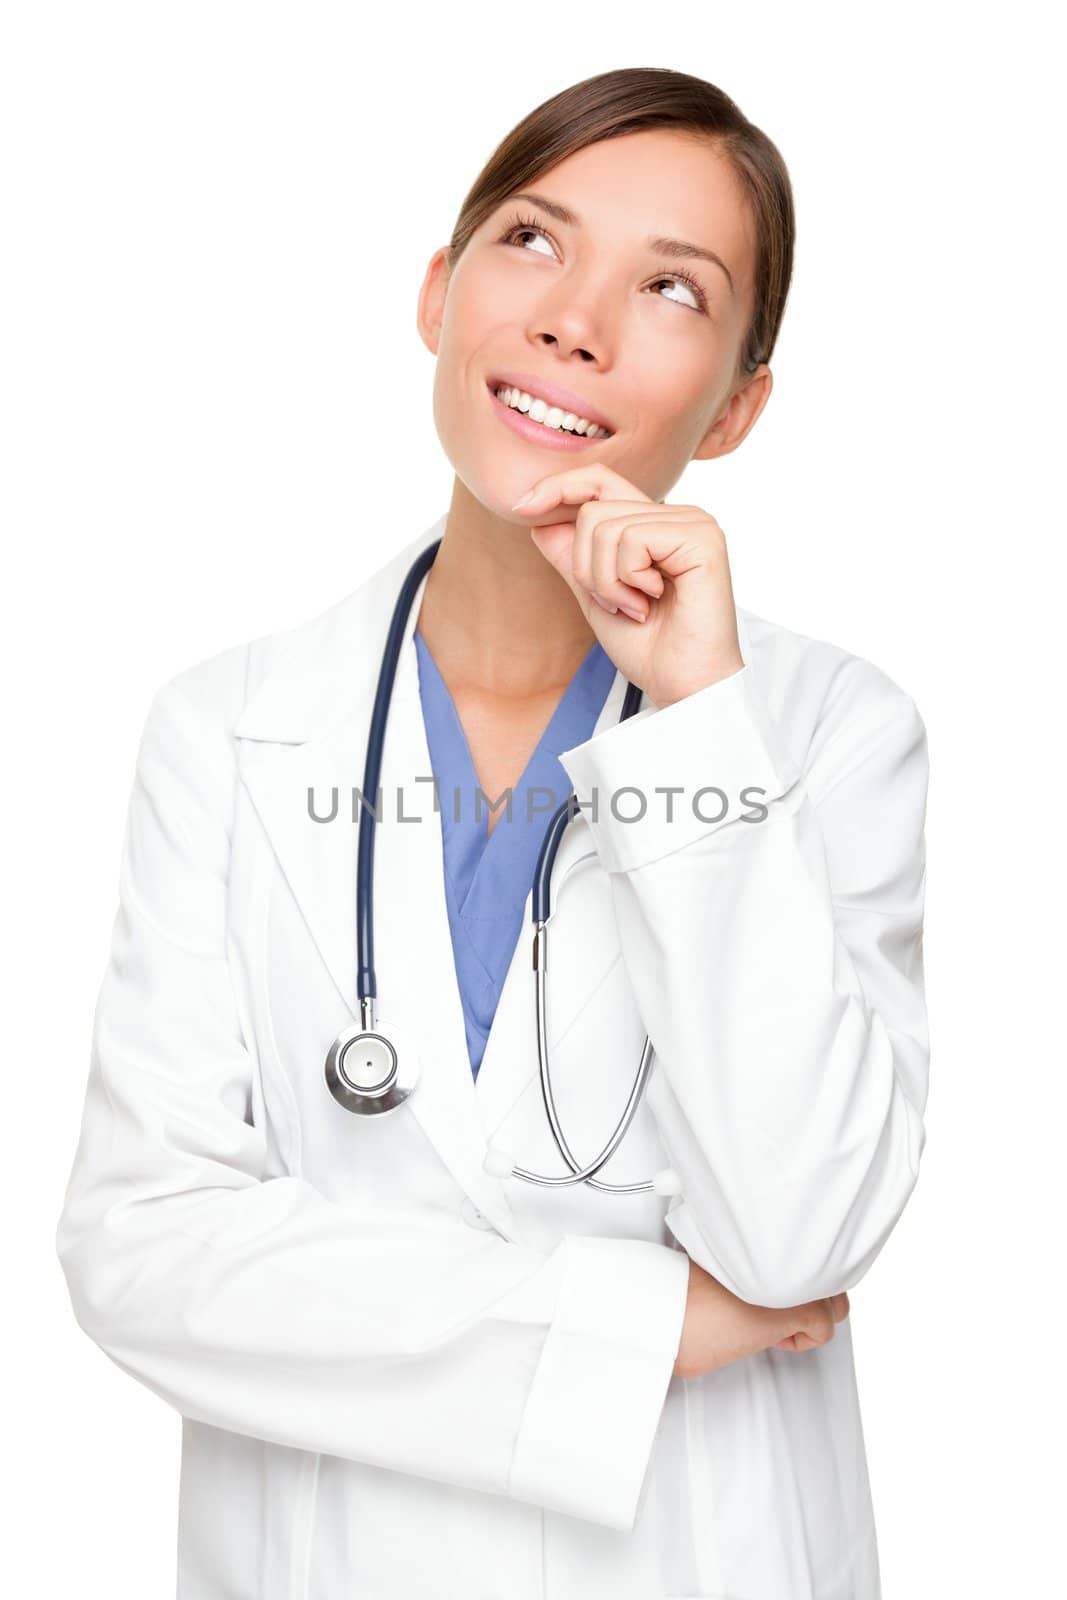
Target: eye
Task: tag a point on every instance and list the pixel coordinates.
(521, 225)
(682, 280)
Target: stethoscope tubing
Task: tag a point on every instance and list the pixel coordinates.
(387, 1095)
(366, 980)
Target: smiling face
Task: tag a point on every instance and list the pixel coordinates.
(579, 299)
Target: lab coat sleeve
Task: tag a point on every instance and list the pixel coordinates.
(256, 1304)
(777, 967)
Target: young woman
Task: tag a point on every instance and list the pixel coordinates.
(406, 1367)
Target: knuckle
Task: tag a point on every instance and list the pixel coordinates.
(822, 1322)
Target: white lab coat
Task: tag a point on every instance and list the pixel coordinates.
(401, 1376)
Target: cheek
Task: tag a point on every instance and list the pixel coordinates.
(672, 412)
(676, 381)
(454, 352)
(466, 330)
(677, 373)
(478, 303)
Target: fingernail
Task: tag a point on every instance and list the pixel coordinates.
(524, 499)
(638, 616)
(603, 604)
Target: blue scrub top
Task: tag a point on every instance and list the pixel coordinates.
(489, 875)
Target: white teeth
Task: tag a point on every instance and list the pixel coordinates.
(549, 416)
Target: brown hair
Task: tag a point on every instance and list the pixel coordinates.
(627, 101)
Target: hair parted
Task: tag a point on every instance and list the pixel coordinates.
(630, 100)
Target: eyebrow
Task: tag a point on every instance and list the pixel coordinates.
(665, 246)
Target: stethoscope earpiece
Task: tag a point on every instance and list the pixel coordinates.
(498, 1163)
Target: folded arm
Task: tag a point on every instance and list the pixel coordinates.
(254, 1303)
(777, 968)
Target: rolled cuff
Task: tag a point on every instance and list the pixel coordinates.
(594, 1407)
(719, 748)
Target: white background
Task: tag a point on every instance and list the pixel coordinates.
(216, 419)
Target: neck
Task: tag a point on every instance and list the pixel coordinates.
(495, 614)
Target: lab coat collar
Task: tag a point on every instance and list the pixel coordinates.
(302, 736)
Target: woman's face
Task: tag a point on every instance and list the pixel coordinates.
(577, 295)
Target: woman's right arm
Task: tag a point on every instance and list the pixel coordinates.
(394, 1336)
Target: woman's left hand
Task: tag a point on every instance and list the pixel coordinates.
(666, 563)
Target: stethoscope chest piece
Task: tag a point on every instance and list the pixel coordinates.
(367, 1073)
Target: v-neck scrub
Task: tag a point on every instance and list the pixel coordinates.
(488, 876)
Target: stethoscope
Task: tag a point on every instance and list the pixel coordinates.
(365, 1072)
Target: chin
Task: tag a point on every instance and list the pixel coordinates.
(490, 496)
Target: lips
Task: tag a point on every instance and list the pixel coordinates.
(554, 394)
(538, 433)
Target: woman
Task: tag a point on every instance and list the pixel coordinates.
(402, 1373)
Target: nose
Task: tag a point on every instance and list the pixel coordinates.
(566, 346)
(567, 323)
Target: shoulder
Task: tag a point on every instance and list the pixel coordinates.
(203, 701)
(289, 684)
(190, 735)
(823, 697)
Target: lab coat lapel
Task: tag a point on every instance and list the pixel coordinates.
(509, 1064)
(304, 734)
(414, 954)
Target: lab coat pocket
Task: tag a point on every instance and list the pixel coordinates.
(301, 1014)
(253, 884)
(355, 1161)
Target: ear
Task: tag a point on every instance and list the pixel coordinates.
(737, 416)
(431, 304)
